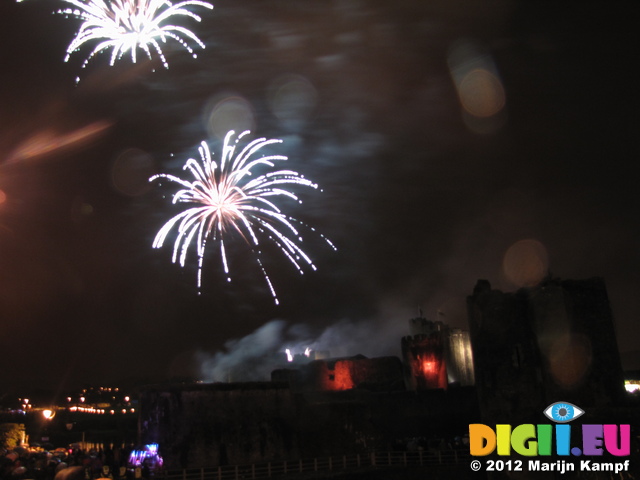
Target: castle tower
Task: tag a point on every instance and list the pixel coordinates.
(554, 342)
(459, 358)
(424, 355)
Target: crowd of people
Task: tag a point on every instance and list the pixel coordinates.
(70, 464)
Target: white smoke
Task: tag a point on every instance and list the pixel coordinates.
(255, 356)
(244, 359)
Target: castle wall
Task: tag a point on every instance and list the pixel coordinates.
(219, 424)
(382, 373)
(205, 425)
(554, 342)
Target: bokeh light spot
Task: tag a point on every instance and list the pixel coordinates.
(480, 90)
(3, 197)
(228, 112)
(481, 93)
(526, 263)
(569, 359)
(292, 98)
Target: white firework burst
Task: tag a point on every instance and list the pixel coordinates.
(227, 198)
(126, 25)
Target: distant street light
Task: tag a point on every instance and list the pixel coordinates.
(48, 414)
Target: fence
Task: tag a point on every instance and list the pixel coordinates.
(441, 459)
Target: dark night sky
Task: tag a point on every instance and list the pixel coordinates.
(419, 202)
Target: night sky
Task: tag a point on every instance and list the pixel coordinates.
(452, 141)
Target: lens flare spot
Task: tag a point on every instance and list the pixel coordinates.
(481, 93)
(292, 99)
(47, 141)
(480, 90)
(526, 263)
(569, 359)
(228, 112)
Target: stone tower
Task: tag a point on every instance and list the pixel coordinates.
(554, 342)
(424, 355)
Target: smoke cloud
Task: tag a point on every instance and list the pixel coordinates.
(255, 356)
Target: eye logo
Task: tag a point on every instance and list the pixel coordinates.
(563, 412)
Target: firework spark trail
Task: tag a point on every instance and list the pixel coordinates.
(125, 25)
(227, 200)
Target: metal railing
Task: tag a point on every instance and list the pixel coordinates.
(275, 469)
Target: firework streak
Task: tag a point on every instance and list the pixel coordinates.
(126, 25)
(227, 198)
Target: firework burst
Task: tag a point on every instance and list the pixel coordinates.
(126, 25)
(227, 198)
